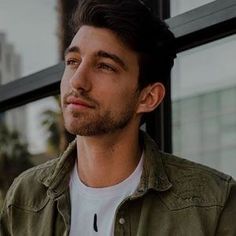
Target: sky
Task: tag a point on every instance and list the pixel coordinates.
(31, 26)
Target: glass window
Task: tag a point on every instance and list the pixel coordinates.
(8, 61)
(204, 104)
(29, 135)
(28, 35)
(180, 6)
(0, 50)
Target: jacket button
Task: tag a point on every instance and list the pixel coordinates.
(121, 221)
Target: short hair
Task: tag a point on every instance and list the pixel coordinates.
(137, 28)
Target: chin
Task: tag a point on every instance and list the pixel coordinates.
(79, 130)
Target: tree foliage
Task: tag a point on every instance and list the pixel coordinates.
(14, 157)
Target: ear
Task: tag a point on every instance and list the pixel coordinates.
(150, 97)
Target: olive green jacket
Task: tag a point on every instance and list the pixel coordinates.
(174, 197)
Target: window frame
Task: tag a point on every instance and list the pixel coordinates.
(30, 88)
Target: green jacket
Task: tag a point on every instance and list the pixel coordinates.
(174, 197)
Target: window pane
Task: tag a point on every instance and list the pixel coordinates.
(181, 6)
(29, 135)
(204, 105)
(28, 40)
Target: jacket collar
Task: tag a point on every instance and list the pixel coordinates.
(153, 176)
(57, 177)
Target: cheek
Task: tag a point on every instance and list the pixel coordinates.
(64, 85)
(121, 98)
(64, 88)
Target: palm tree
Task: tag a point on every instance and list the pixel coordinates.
(53, 122)
(58, 138)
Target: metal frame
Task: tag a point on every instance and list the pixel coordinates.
(31, 88)
(193, 28)
(204, 24)
(158, 123)
(196, 27)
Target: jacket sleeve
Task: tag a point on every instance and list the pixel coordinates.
(5, 214)
(4, 222)
(227, 222)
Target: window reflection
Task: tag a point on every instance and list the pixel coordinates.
(33, 38)
(204, 105)
(29, 135)
(180, 6)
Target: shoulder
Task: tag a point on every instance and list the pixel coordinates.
(196, 184)
(28, 190)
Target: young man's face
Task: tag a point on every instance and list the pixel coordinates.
(99, 86)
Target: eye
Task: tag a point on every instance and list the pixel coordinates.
(71, 62)
(107, 67)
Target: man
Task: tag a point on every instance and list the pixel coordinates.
(112, 180)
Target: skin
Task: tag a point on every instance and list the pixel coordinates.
(102, 105)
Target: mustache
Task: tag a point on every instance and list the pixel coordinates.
(80, 95)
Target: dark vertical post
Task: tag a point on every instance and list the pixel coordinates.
(160, 8)
(65, 10)
(159, 123)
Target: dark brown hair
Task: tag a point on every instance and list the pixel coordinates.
(138, 28)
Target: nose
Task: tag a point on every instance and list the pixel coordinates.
(80, 80)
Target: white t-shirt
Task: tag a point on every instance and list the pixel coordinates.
(93, 209)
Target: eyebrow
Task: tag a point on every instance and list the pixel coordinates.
(71, 49)
(101, 54)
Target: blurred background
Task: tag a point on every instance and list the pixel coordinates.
(196, 121)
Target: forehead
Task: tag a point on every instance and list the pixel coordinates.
(90, 38)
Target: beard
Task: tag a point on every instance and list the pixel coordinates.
(97, 122)
(91, 125)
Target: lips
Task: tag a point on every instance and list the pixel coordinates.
(76, 102)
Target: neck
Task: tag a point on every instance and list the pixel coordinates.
(108, 159)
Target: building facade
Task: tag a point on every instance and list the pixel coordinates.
(204, 129)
